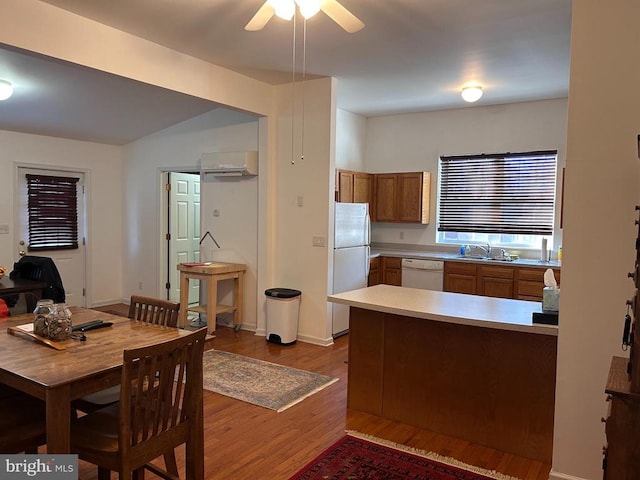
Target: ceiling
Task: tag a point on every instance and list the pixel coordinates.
(412, 55)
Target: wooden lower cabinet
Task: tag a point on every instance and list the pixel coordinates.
(495, 281)
(460, 277)
(392, 270)
(374, 272)
(496, 389)
(503, 281)
(622, 426)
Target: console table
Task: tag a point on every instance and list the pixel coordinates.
(212, 273)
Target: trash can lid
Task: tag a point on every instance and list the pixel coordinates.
(282, 292)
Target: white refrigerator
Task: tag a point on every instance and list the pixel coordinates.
(350, 256)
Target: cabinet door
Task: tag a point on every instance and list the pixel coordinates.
(385, 197)
(413, 197)
(374, 272)
(392, 270)
(362, 188)
(460, 278)
(495, 281)
(345, 186)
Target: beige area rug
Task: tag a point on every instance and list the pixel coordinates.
(258, 382)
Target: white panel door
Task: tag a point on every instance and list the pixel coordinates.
(184, 229)
(70, 263)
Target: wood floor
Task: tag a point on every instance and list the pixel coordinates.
(243, 441)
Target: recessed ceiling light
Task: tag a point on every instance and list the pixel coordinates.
(6, 89)
(471, 94)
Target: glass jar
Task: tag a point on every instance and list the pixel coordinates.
(60, 322)
(42, 316)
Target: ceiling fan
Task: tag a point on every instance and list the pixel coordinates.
(286, 9)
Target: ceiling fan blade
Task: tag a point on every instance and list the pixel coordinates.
(341, 15)
(260, 19)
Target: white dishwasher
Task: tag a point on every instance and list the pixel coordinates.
(425, 274)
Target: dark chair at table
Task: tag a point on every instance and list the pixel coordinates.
(22, 421)
(42, 269)
(160, 397)
(144, 309)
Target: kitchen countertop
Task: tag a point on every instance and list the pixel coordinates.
(459, 308)
(444, 256)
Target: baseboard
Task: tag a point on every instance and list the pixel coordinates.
(323, 342)
(109, 302)
(561, 476)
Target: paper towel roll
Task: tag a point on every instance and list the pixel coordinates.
(543, 251)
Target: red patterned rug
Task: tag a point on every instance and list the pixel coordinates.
(352, 458)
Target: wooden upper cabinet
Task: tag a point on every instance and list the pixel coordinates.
(413, 197)
(385, 197)
(362, 191)
(402, 197)
(353, 187)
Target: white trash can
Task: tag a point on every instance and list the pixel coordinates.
(283, 307)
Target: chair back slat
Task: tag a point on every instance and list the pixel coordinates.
(154, 310)
(159, 389)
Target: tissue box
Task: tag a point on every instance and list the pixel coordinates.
(550, 299)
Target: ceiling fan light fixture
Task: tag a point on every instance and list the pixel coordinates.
(308, 8)
(6, 89)
(471, 94)
(283, 8)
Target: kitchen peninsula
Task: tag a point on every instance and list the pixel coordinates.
(468, 366)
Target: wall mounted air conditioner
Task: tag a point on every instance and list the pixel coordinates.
(229, 164)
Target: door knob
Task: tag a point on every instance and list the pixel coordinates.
(22, 253)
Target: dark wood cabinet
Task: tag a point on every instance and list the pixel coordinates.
(392, 270)
(460, 277)
(530, 282)
(495, 281)
(374, 272)
(402, 197)
(503, 281)
(622, 425)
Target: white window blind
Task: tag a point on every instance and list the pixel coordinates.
(509, 193)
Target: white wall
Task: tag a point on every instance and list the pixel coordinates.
(304, 204)
(104, 202)
(178, 147)
(414, 142)
(351, 134)
(601, 191)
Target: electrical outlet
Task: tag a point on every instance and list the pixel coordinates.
(139, 285)
(401, 235)
(4, 228)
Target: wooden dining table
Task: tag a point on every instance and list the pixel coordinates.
(83, 367)
(16, 286)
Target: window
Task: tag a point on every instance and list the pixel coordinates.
(53, 212)
(504, 199)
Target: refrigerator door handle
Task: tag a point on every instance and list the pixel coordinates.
(368, 227)
(368, 261)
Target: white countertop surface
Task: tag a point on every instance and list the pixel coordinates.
(474, 310)
(443, 256)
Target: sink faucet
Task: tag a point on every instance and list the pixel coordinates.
(486, 250)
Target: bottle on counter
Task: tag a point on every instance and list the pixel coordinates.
(560, 253)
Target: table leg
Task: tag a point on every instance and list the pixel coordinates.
(58, 411)
(184, 300)
(212, 300)
(238, 295)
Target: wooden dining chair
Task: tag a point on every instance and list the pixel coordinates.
(22, 421)
(144, 309)
(160, 403)
(154, 310)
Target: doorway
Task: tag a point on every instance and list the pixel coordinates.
(71, 262)
(182, 226)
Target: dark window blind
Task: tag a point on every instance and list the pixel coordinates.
(512, 193)
(53, 212)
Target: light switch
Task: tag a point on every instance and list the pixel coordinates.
(300, 200)
(4, 228)
(319, 241)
